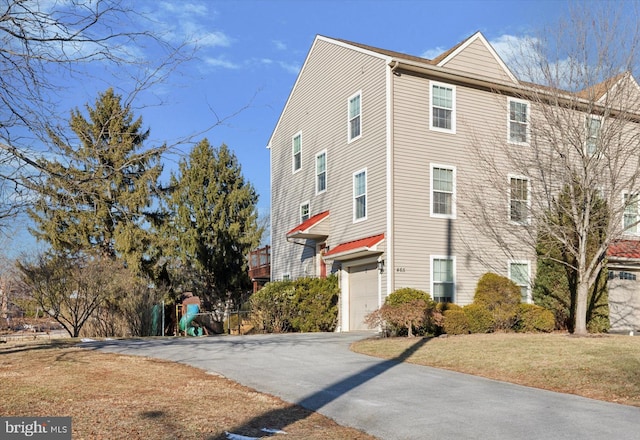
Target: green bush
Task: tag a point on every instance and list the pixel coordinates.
(272, 307)
(303, 305)
(501, 297)
(479, 318)
(316, 304)
(455, 322)
(406, 309)
(438, 315)
(533, 318)
(599, 323)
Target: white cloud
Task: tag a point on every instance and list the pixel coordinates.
(432, 53)
(221, 62)
(290, 67)
(279, 45)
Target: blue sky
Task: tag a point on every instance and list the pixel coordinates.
(250, 52)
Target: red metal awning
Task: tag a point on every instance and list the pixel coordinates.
(356, 249)
(314, 228)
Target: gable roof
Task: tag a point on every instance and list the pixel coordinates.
(460, 50)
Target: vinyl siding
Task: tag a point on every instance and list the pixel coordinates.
(480, 120)
(477, 60)
(317, 107)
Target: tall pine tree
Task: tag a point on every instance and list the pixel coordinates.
(213, 222)
(99, 190)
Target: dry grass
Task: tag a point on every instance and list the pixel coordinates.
(112, 396)
(603, 367)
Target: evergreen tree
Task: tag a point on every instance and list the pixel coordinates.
(213, 222)
(97, 195)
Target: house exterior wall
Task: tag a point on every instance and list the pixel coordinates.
(398, 148)
(317, 109)
(418, 236)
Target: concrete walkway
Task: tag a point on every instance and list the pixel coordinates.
(389, 399)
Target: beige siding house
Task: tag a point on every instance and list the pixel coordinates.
(371, 165)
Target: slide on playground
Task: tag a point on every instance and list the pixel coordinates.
(190, 314)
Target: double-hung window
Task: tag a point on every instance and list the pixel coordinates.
(360, 195)
(354, 124)
(321, 172)
(518, 121)
(304, 212)
(519, 200)
(443, 186)
(593, 125)
(519, 274)
(442, 116)
(297, 152)
(443, 278)
(630, 216)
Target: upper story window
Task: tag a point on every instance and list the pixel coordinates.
(297, 152)
(354, 125)
(304, 212)
(360, 195)
(321, 172)
(443, 107)
(593, 125)
(518, 121)
(443, 191)
(519, 200)
(630, 217)
(443, 278)
(519, 274)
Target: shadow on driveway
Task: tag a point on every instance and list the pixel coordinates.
(317, 400)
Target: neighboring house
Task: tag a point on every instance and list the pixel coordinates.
(624, 291)
(370, 166)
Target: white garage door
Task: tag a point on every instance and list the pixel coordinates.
(363, 294)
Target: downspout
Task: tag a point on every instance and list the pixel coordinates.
(390, 180)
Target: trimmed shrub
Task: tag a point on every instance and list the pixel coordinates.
(272, 307)
(438, 315)
(408, 309)
(479, 318)
(316, 304)
(455, 322)
(501, 297)
(533, 318)
(303, 305)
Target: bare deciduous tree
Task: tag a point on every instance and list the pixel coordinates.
(574, 131)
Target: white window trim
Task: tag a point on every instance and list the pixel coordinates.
(349, 138)
(453, 195)
(637, 225)
(529, 298)
(453, 107)
(528, 220)
(326, 181)
(528, 130)
(587, 127)
(432, 281)
(285, 276)
(293, 155)
(300, 210)
(353, 196)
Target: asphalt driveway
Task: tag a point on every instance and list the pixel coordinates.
(390, 399)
